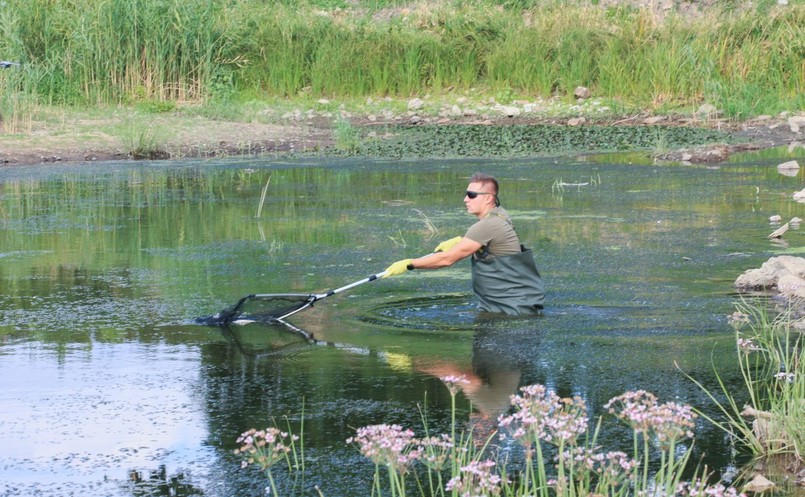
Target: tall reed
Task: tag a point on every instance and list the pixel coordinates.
(113, 51)
(91, 51)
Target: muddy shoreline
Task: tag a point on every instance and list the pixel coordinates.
(86, 141)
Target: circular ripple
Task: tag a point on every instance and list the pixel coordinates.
(444, 312)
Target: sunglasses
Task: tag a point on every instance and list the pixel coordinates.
(471, 195)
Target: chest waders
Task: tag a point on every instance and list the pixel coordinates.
(510, 284)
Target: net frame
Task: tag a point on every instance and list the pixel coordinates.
(282, 305)
(267, 307)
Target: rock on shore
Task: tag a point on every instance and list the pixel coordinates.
(783, 275)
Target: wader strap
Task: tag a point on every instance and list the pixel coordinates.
(484, 253)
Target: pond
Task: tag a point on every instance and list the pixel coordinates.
(111, 387)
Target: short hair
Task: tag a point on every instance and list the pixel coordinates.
(484, 179)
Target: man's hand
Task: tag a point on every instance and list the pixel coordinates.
(447, 244)
(397, 268)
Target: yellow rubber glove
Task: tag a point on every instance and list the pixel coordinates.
(448, 244)
(399, 267)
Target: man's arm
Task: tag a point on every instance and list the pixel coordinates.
(461, 250)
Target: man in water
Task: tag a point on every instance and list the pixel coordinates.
(504, 275)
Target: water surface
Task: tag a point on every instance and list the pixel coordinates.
(108, 381)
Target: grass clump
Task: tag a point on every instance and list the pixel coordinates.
(144, 141)
(347, 137)
(771, 355)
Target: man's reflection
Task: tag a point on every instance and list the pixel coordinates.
(502, 348)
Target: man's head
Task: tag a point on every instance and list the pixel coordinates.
(486, 180)
(482, 194)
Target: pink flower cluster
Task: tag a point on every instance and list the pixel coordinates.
(388, 445)
(454, 382)
(747, 345)
(738, 319)
(264, 447)
(542, 415)
(699, 488)
(391, 445)
(612, 465)
(436, 451)
(786, 377)
(476, 480)
(669, 422)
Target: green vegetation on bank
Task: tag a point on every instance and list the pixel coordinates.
(222, 53)
(525, 140)
(770, 352)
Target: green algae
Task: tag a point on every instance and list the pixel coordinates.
(456, 141)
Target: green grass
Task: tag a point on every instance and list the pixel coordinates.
(144, 141)
(89, 52)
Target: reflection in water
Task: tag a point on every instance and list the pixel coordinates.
(500, 353)
(159, 484)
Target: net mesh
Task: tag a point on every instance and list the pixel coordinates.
(263, 308)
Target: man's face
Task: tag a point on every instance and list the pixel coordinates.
(481, 202)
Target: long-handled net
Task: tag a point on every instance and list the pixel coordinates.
(267, 307)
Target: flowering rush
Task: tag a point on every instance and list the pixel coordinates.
(436, 451)
(264, 447)
(388, 445)
(540, 414)
(475, 480)
(568, 421)
(746, 345)
(614, 465)
(738, 318)
(699, 488)
(454, 382)
(669, 422)
(786, 377)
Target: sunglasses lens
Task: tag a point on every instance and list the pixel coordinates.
(471, 195)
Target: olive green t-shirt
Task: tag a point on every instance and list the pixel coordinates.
(495, 232)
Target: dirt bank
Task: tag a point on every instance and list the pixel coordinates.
(79, 138)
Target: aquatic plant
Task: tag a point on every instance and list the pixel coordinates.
(558, 186)
(771, 357)
(265, 448)
(144, 141)
(347, 137)
(541, 423)
(579, 467)
(539, 416)
(390, 447)
(476, 478)
(523, 140)
(667, 424)
(430, 228)
(263, 199)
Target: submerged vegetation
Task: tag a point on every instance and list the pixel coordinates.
(223, 55)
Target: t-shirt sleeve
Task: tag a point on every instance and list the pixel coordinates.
(481, 232)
